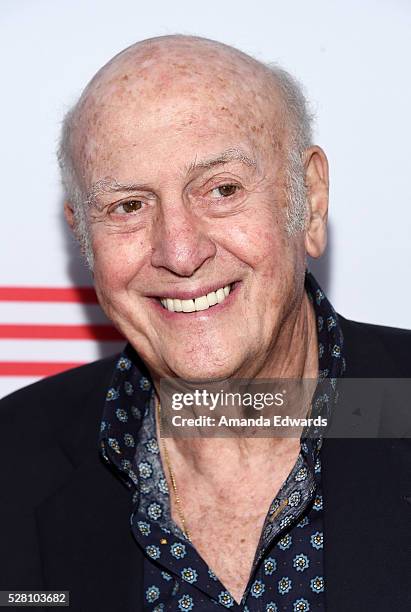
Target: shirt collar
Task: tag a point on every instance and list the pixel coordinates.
(331, 365)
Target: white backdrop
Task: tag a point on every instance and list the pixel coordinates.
(352, 57)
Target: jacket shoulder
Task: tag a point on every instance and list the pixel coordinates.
(376, 350)
(38, 413)
(68, 385)
(49, 428)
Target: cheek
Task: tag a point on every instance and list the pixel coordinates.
(276, 259)
(117, 259)
(259, 241)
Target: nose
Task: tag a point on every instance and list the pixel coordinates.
(180, 243)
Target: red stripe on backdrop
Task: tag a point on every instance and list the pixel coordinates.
(19, 368)
(59, 332)
(84, 295)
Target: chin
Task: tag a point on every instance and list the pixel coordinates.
(202, 372)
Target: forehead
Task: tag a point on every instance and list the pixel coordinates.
(176, 106)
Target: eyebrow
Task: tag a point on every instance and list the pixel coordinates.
(227, 156)
(111, 185)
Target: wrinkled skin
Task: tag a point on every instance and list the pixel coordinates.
(147, 119)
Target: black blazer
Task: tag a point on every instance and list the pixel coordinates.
(64, 517)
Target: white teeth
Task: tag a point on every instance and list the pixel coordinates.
(212, 299)
(202, 302)
(220, 295)
(170, 304)
(188, 305)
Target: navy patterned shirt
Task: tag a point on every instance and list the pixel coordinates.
(288, 569)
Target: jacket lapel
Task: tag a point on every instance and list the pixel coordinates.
(85, 541)
(366, 524)
(365, 487)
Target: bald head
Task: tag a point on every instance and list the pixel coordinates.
(188, 59)
(197, 82)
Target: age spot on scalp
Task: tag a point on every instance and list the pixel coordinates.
(257, 128)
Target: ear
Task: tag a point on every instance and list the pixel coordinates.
(69, 214)
(316, 180)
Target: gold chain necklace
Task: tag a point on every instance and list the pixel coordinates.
(171, 474)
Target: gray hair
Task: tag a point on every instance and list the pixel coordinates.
(71, 185)
(298, 120)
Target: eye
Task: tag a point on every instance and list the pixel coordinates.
(225, 191)
(131, 206)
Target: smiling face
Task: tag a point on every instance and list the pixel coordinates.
(188, 213)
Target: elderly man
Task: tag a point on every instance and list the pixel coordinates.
(197, 194)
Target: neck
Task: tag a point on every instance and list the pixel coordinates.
(293, 353)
